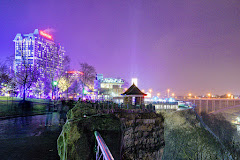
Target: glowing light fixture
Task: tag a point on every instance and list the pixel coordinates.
(135, 81)
(209, 95)
(74, 72)
(55, 83)
(45, 35)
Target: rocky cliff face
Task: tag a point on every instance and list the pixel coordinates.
(77, 138)
(142, 135)
(128, 135)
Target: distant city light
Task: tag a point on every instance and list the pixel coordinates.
(171, 100)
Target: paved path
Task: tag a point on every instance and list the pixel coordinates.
(29, 138)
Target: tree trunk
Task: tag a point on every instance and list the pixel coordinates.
(24, 91)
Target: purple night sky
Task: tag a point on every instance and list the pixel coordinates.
(187, 46)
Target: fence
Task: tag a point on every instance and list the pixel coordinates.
(109, 107)
(101, 146)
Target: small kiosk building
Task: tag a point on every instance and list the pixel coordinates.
(133, 96)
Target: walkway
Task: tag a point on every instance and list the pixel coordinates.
(28, 138)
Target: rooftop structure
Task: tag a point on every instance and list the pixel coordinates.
(133, 96)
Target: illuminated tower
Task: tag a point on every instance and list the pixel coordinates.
(39, 50)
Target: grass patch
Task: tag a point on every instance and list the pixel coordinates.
(186, 139)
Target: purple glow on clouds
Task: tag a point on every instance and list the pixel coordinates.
(187, 46)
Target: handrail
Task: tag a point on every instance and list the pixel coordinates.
(104, 149)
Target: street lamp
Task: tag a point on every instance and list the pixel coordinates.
(209, 95)
(190, 95)
(168, 92)
(54, 83)
(229, 95)
(158, 94)
(150, 91)
(173, 94)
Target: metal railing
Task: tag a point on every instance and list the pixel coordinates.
(102, 149)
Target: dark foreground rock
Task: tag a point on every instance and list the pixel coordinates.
(128, 135)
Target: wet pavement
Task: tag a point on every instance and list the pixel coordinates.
(29, 138)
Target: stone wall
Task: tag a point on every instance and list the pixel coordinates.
(127, 135)
(142, 136)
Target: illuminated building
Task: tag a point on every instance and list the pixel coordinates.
(134, 96)
(108, 88)
(39, 50)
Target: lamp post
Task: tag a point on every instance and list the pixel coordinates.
(229, 95)
(168, 92)
(209, 95)
(190, 95)
(54, 83)
(150, 91)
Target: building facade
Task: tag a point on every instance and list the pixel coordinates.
(39, 50)
(108, 88)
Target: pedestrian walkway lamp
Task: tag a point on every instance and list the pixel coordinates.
(54, 83)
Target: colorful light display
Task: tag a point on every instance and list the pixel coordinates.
(45, 35)
(75, 72)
